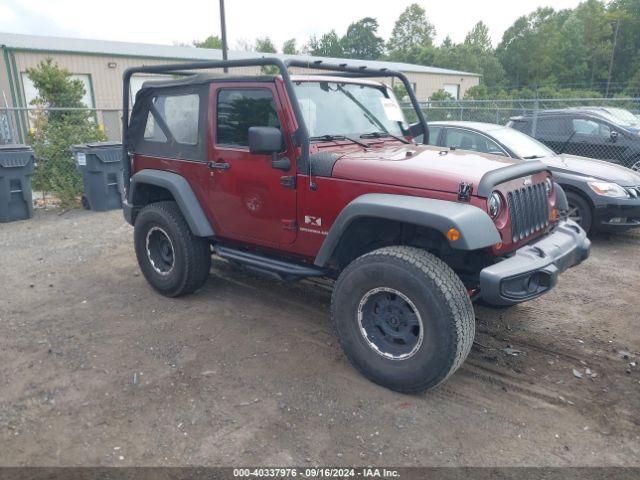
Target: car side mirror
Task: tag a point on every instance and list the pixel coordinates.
(265, 140)
(415, 130)
(614, 136)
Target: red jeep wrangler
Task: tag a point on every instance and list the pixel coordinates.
(303, 176)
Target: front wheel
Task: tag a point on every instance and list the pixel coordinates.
(579, 210)
(172, 259)
(403, 318)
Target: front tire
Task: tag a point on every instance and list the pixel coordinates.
(403, 318)
(172, 259)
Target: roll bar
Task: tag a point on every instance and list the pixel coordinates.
(301, 135)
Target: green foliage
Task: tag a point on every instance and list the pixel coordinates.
(361, 40)
(212, 41)
(57, 130)
(265, 45)
(329, 45)
(289, 47)
(412, 34)
(441, 95)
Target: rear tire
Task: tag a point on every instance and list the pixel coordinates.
(403, 318)
(579, 210)
(172, 259)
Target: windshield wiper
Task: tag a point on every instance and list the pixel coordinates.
(329, 138)
(384, 134)
(532, 157)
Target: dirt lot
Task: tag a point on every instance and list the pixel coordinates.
(97, 369)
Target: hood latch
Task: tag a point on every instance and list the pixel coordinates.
(464, 191)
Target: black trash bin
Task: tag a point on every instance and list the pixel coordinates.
(16, 168)
(101, 169)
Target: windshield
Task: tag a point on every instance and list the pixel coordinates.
(521, 144)
(335, 108)
(624, 116)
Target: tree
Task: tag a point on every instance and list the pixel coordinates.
(289, 47)
(328, 45)
(361, 40)
(265, 45)
(412, 33)
(57, 130)
(212, 41)
(441, 95)
(479, 38)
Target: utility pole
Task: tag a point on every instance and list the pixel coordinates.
(613, 52)
(223, 31)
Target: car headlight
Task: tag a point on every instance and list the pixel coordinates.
(548, 186)
(494, 203)
(608, 189)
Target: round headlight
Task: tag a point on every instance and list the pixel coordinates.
(494, 204)
(548, 186)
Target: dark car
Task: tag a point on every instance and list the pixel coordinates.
(583, 132)
(619, 116)
(602, 196)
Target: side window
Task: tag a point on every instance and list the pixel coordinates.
(180, 114)
(591, 127)
(466, 140)
(434, 134)
(552, 126)
(239, 109)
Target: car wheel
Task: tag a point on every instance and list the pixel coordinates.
(403, 318)
(579, 210)
(172, 259)
(635, 165)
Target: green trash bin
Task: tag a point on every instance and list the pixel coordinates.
(16, 167)
(101, 169)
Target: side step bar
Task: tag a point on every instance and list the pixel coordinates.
(280, 269)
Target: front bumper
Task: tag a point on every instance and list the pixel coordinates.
(533, 269)
(617, 217)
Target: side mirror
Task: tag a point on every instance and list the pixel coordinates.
(265, 140)
(614, 136)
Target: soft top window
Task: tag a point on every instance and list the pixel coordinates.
(170, 122)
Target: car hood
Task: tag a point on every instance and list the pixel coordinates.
(589, 167)
(418, 166)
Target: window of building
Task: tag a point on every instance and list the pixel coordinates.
(30, 91)
(239, 109)
(452, 89)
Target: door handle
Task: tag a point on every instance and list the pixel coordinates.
(219, 166)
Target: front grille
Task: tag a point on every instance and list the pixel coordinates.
(633, 191)
(528, 210)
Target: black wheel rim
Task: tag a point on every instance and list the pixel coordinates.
(160, 251)
(390, 323)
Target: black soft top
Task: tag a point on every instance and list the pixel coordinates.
(205, 78)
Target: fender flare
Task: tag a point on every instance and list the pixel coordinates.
(182, 193)
(476, 228)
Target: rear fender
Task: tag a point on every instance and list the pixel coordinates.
(182, 193)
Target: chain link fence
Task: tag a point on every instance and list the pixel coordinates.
(606, 129)
(56, 179)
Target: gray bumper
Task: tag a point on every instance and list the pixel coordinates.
(127, 210)
(533, 269)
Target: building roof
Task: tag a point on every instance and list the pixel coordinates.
(16, 41)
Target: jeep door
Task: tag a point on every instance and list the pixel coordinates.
(248, 197)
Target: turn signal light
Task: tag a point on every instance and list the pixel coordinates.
(554, 214)
(453, 235)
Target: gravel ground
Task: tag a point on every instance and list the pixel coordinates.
(97, 369)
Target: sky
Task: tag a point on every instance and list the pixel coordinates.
(181, 22)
